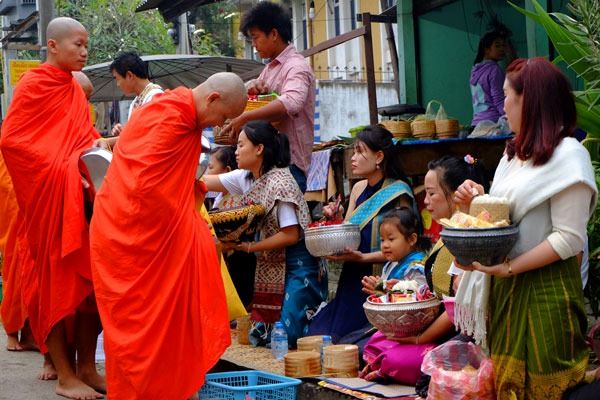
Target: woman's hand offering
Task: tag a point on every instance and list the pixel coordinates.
(390, 283)
(334, 210)
(369, 283)
(499, 270)
(227, 246)
(465, 194)
(349, 255)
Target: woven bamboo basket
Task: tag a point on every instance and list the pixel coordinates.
(302, 363)
(423, 128)
(400, 129)
(445, 128)
(341, 360)
(498, 208)
(310, 343)
(223, 139)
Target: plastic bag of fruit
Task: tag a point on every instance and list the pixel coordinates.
(459, 371)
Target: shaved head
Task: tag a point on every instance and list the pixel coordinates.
(62, 27)
(229, 85)
(67, 44)
(85, 83)
(222, 96)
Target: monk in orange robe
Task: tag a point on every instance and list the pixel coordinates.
(47, 127)
(156, 273)
(12, 309)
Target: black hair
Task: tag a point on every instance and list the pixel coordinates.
(486, 41)
(377, 138)
(266, 16)
(407, 221)
(453, 171)
(226, 156)
(276, 151)
(129, 61)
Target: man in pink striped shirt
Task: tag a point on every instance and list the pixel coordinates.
(290, 76)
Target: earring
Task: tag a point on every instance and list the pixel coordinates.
(377, 166)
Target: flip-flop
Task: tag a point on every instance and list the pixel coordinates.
(14, 349)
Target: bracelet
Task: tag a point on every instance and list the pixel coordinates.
(507, 263)
(248, 248)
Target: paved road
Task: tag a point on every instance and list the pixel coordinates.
(18, 375)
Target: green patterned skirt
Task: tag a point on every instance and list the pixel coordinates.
(536, 332)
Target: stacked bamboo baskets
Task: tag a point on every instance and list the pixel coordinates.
(341, 360)
(300, 364)
(310, 343)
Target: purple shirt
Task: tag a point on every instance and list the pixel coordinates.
(292, 78)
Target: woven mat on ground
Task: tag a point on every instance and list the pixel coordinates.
(257, 358)
(391, 391)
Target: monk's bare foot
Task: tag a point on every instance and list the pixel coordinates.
(195, 397)
(94, 380)
(73, 388)
(48, 371)
(27, 343)
(12, 342)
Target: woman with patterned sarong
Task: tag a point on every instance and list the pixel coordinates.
(383, 189)
(288, 284)
(537, 318)
(400, 360)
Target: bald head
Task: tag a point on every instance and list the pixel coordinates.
(85, 83)
(62, 27)
(229, 85)
(222, 94)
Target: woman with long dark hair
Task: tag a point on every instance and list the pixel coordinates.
(384, 188)
(537, 318)
(287, 283)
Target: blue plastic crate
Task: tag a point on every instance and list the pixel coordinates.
(248, 385)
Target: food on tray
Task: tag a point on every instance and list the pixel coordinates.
(461, 220)
(498, 208)
(328, 222)
(403, 292)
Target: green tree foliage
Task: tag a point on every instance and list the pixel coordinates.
(216, 37)
(114, 26)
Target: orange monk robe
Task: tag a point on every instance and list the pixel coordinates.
(47, 127)
(12, 308)
(156, 274)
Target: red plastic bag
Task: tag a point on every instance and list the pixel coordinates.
(459, 371)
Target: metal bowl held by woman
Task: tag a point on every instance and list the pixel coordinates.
(330, 240)
(487, 246)
(403, 319)
(237, 224)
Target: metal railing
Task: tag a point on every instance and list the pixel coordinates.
(352, 74)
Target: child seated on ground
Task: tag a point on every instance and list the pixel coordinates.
(403, 248)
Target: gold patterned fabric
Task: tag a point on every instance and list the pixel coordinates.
(536, 332)
(269, 190)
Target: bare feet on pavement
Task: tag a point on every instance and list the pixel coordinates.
(195, 397)
(12, 342)
(73, 388)
(94, 380)
(48, 371)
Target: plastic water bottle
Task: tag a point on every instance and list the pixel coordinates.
(326, 342)
(279, 341)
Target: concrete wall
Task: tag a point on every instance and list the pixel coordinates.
(344, 105)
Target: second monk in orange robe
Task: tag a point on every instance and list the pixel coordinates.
(154, 263)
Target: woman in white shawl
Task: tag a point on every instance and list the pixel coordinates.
(536, 316)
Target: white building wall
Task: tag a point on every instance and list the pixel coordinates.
(344, 105)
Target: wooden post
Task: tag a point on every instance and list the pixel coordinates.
(370, 67)
(46, 10)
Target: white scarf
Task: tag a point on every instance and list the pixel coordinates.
(526, 189)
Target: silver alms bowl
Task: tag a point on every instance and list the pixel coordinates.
(332, 239)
